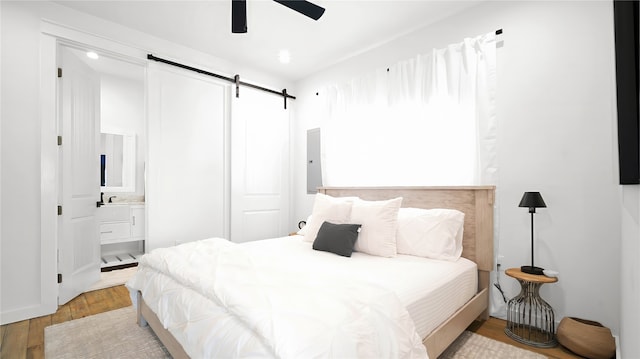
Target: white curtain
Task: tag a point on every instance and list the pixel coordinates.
(429, 120)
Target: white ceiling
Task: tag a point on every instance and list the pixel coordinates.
(345, 29)
(110, 66)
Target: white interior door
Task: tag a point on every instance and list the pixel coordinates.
(187, 181)
(260, 173)
(78, 240)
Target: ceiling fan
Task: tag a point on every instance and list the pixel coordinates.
(239, 12)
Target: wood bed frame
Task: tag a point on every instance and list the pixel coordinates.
(477, 204)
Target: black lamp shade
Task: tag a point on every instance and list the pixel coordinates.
(532, 200)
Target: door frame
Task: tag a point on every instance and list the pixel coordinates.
(52, 36)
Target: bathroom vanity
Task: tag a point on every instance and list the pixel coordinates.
(121, 228)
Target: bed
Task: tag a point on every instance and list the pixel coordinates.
(434, 330)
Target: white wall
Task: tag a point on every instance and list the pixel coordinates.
(20, 260)
(122, 103)
(556, 115)
(630, 272)
(26, 248)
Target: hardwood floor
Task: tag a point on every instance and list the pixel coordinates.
(25, 339)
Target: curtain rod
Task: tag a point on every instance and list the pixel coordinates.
(235, 79)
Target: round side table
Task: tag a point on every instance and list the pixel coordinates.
(530, 320)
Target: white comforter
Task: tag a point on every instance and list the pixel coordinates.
(293, 314)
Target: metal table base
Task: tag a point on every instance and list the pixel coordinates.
(530, 320)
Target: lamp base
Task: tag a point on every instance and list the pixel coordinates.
(532, 270)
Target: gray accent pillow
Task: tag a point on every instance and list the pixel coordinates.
(337, 238)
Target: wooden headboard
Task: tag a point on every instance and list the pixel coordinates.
(476, 202)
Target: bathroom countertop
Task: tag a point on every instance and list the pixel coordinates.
(123, 199)
(123, 203)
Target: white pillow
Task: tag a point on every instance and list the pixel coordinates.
(379, 220)
(431, 233)
(326, 208)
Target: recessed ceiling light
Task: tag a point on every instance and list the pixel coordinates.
(284, 56)
(92, 55)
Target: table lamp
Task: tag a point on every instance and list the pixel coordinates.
(532, 200)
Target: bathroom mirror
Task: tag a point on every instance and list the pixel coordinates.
(117, 162)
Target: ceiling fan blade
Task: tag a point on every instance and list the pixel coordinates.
(238, 16)
(304, 7)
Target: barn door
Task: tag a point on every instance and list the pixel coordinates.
(187, 175)
(260, 175)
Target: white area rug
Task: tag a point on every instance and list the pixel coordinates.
(115, 334)
(473, 346)
(113, 278)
